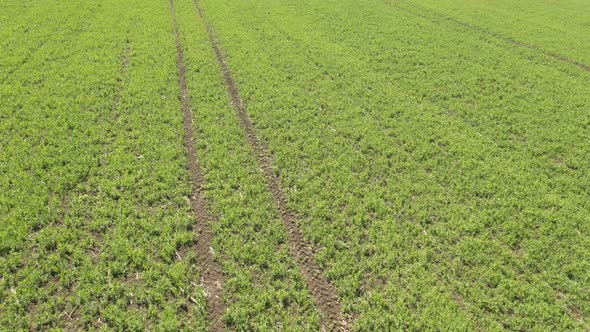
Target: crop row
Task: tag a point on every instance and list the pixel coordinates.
(439, 172)
(93, 170)
(95, 195)
(264, 289)
(558, 27)
(449, 162)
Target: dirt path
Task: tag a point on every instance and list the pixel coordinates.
(212, 277)
(324, 293)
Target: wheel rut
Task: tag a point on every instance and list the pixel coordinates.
(439, 19)
(323, 292)
(211, 277)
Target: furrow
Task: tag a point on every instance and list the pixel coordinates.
(212, 278)
(438, 18)
(324, 293)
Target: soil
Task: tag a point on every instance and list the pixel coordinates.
(322, 290)
(212, 278)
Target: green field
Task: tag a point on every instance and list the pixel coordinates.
(275, 165)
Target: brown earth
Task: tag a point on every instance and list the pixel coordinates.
(212, 278)
(322, 290)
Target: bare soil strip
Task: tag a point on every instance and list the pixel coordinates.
(212, 278)
(324, 293)
(437, 18)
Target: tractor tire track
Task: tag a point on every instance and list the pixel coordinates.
(211, 276)
(438, 19)
(463, 303)
(323, 292)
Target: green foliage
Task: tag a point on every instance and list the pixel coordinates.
(94, 183)
(264, 289)
(440, 171)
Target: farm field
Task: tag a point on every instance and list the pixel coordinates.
(308, 165)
